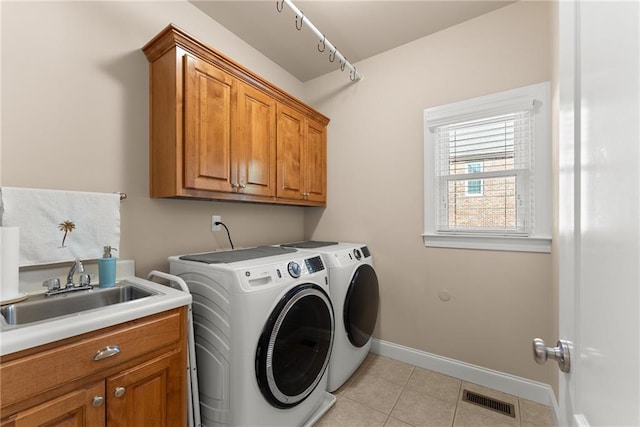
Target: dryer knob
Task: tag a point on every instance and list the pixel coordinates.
(294, 269)
(357, 254)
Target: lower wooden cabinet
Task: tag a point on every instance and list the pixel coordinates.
(84, 407)
(143, 385)
(141, 395)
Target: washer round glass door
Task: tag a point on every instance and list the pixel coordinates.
(294, 347)
(361, 305)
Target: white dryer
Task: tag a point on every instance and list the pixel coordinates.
(264, 330)
(353, 288)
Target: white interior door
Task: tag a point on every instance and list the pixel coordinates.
(599, 223)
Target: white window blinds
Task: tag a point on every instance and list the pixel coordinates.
(484, 173)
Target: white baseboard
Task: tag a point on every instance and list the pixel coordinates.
(517, 386)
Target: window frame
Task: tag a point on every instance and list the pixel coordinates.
(533, 97)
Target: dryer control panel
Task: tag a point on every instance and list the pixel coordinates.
(349, 256)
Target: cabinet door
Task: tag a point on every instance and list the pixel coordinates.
(208, 97)
(316, 162)
(148, 395)
(80, 408)
(254, 142)
(291, 133)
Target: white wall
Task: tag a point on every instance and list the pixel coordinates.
(75, 116)
(500, 300)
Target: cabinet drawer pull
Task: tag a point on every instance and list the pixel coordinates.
(97, 401)
(108, 351)
(119, 391)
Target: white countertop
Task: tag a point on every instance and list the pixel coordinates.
(17, 338)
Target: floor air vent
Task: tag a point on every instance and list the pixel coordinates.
(489, 403)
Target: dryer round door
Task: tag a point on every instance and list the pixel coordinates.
(294, 347)
(361, 305)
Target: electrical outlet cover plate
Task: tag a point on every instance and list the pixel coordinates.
(214, 219)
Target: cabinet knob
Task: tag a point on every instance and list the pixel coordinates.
(234, 185)
(97, 401)
(119, 391)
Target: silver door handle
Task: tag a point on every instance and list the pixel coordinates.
(560, 353)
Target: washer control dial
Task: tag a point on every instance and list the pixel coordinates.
(294, 269)
(357, 254)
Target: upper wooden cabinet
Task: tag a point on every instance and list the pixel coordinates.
(207, 126)
(255, 147)
(301, 161)
(219, 131)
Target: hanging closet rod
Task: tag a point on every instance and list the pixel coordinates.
(301, 21)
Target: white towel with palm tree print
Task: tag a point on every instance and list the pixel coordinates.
(58, 226)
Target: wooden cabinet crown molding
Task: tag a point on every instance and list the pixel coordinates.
(172, 36)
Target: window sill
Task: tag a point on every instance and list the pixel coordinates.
(490, 243)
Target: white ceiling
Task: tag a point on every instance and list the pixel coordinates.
(358, 28)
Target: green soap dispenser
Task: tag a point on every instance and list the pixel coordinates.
(107, 268)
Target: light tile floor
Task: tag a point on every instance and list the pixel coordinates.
(388, 393)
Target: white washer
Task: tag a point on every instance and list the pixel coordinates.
(263, 325)
(353, 288)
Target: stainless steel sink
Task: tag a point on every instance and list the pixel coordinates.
(38, 307)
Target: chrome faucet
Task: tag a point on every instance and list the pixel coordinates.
(53, 285)
(77, 265)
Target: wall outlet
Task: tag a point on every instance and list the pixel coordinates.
(214, 219)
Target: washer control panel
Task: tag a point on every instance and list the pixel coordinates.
(314, 264)
(285, 270)
(294, 269)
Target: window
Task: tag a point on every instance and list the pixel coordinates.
(463, 149)
(474, 186)
(487, 172)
